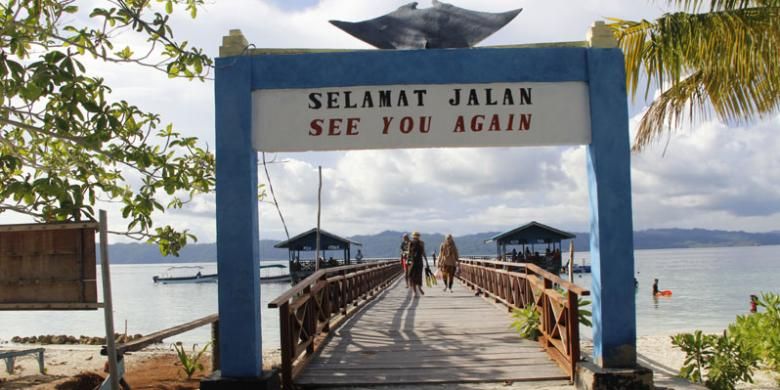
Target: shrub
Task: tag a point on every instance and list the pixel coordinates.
(761, 331)
(698, 350)
(527, 322)
(190, 362)
(719, 362)
(583, 315)
(731, 363)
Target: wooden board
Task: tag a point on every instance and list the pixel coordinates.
(438, 338)
(46, 266)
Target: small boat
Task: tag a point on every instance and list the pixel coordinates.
(581, 269)
(274, 278)
(171, 276)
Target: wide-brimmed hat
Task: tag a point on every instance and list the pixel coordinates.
(415, 234)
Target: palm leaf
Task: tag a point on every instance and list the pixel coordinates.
(726, 61)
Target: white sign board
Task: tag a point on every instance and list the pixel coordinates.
(421, 116)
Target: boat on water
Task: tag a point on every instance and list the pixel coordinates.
(274, 278)
(174, 275)
(581, 269)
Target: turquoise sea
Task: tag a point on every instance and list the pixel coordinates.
(710, 287)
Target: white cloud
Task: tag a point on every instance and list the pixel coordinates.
(711, 177)
(714, 176)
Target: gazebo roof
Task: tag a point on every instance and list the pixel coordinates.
(530, 233)
(307, 241)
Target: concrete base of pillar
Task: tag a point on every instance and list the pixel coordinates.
(592, 377)
(269, 381)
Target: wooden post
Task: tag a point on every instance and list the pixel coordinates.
(215, 346)
(571, 261)
(287, 345)
(574, 332)
(326, 309)
(546, 320)
(310, 319)
(108, 306)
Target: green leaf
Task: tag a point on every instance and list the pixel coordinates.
(125, 53)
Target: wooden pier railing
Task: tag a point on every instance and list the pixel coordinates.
(322, 301)
(517, 285)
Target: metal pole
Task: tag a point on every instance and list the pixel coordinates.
(319, 203)
(108, 307)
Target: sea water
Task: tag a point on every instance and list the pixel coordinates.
(710, 286)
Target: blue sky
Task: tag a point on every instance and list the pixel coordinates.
(706, 175)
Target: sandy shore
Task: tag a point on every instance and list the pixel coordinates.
(64, 361)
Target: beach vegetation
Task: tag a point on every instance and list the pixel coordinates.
(190, 362)
(710, 58)
(752, 341)
(760, 331)
(698, 350)
(584, 315)
(66, 143)
(527, 321)
(717, 361)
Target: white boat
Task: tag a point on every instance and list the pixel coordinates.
(274, 278)
(173, 276)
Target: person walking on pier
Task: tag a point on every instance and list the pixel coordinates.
(405, 258)
(448, 261)
(416, 255)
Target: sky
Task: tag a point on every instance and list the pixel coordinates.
(706, 175)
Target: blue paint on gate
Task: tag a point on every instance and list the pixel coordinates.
(608, 170)
(611, 226)
(418, 67)
(237, 229)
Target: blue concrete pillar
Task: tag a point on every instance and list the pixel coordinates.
(237, 229)
(611, 226)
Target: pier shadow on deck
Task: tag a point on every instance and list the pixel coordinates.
(439, 338)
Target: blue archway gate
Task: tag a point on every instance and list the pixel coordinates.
(256, 92)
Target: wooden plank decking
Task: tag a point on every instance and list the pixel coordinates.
(438, 338)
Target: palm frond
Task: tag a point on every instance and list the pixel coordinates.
(729, 59)
(730, 100)
(695, 6)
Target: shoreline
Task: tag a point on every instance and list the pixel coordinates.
(62, 362)
(65, 361)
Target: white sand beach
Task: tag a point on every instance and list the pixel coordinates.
(63, 361)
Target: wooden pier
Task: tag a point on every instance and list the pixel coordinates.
(441, 337)
(359, 325)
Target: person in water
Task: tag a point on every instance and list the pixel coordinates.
(655, 287)
(753, 303)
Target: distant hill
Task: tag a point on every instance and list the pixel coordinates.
(386, 244)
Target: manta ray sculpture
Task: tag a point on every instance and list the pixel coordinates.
(439, 27)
